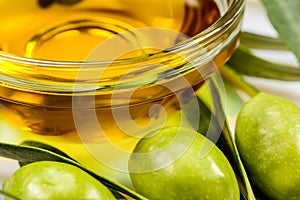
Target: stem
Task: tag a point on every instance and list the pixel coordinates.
(245, 62)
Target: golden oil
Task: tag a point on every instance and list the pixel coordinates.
(69, 33)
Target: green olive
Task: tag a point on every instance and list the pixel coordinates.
(54, 180)
(268, 138)
(179, 163)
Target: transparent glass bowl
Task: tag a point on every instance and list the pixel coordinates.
(51, 97)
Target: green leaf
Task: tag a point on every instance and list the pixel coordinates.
(255, 41)
(245, 62)
(29, 154)
(285, 18)
(45, 147)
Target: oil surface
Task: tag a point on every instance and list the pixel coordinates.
(61, 32)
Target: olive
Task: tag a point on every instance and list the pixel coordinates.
(54, 180)
(179, 163)
(268, 139)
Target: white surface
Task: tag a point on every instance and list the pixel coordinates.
(255, 21)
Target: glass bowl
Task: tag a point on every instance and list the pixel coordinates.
(111, 70)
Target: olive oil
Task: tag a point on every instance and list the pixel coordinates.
(69, 33)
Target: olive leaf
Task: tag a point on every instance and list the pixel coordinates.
(27, 154)
(43, 146)
(285, 18)
(256, 41)
(245, 62)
